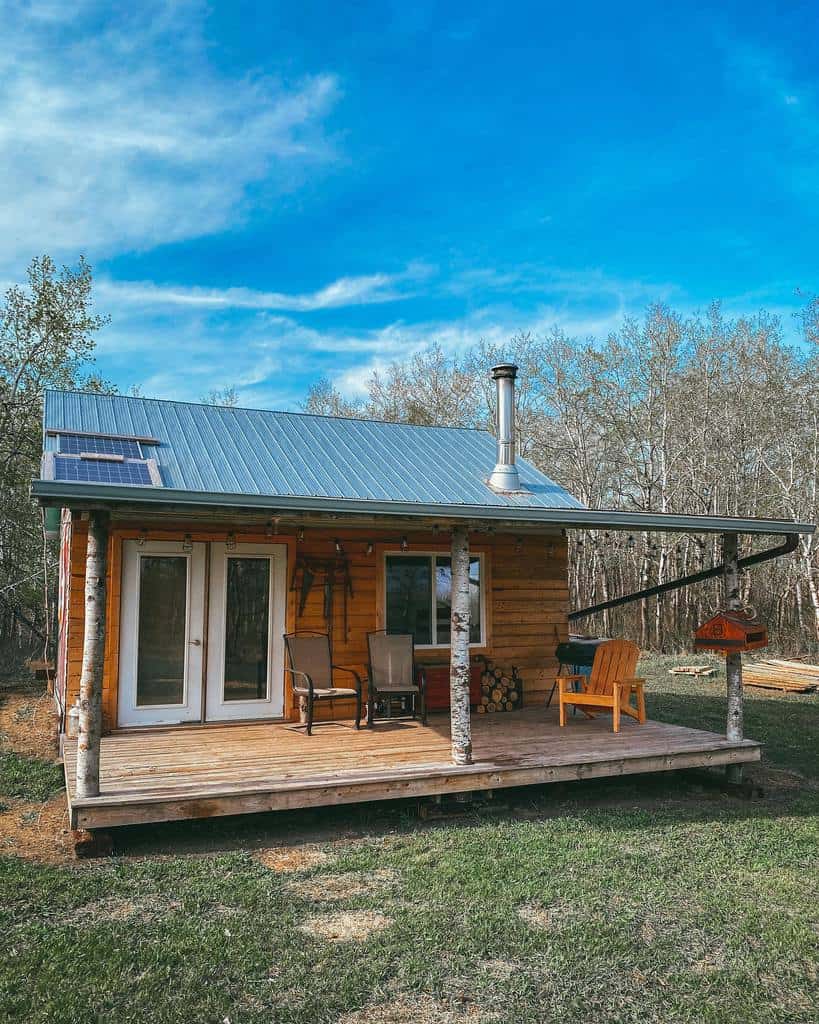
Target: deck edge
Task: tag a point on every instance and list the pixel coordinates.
(105, 812)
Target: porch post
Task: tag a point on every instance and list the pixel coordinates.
(461, 727)
(733, 660)
(93, 648)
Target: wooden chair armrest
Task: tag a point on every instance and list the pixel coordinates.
(564, 681)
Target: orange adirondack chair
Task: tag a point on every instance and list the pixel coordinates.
(609, 686)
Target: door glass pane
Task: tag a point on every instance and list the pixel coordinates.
(443, 600)
(247, 610)
(163, 618)
(409, 597)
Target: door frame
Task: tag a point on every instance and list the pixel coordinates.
(272, 706)
(130, 714)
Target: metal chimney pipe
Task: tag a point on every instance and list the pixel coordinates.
(504, 476)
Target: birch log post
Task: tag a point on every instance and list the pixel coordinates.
(461, 727)
(93, 649)
(733, 660)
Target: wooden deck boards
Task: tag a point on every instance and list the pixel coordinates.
(169, 774)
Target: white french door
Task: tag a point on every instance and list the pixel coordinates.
(162, 625)
(245, 630)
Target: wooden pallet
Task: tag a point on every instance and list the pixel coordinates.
(787, 676)
(692, 670)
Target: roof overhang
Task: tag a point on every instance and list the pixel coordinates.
(51, 493)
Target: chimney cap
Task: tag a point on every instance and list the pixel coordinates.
(502, 370)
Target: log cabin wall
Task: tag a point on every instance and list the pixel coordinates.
(526, 598)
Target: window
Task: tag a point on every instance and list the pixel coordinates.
(419, 598)
(247, 614)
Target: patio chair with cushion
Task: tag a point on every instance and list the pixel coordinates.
(311, 674)
(394, 676)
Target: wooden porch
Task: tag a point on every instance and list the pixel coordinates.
(200, 772)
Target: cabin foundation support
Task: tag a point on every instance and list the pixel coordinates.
(733, 660)
(461, 726)
(93, 650)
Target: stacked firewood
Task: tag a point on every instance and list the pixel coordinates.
(500, 691)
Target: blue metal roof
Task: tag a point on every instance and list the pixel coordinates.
(212, 450)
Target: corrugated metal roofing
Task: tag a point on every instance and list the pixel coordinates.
(215, 450)
(246, 458)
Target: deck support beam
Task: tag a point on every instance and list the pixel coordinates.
(733, 660)
(93, 650)
(461, 726)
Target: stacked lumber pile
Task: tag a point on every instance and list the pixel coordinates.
(787, 676)
(692, 670)
(500, 691)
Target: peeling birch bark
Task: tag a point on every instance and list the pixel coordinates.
(93, 649)
(733, 660)
(461, 727)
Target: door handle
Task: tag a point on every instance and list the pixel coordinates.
(196, 643)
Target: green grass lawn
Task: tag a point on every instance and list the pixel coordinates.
(637, 899)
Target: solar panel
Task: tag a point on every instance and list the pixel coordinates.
(73, 444)
(99, 472)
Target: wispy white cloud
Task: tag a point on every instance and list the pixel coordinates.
(267, 345)
(559, 285)
(345, 291)
(107, 145)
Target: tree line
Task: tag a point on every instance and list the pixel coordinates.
(701, 414)
(691, 414)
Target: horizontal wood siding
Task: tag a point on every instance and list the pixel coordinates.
(530, 607)
(526, 600)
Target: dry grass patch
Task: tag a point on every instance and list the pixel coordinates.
(552, 918)
(501, 969)
(37, 832)
(341, 887)
(421, 1010)
(284, 859)
(28, 724)
(120, 908)
(345, 926)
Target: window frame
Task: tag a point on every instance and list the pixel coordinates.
(443, 552)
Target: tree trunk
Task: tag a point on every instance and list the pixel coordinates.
(459, 652)
(93, 649)
(733, 660)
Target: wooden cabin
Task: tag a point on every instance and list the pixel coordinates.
(194, 537)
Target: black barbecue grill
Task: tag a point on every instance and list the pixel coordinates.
(576, 654)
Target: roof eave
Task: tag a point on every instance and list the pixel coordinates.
(48, 492)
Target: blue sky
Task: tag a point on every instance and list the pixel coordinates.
(272, 193)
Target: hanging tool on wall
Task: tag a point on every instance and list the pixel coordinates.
(329, 573)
